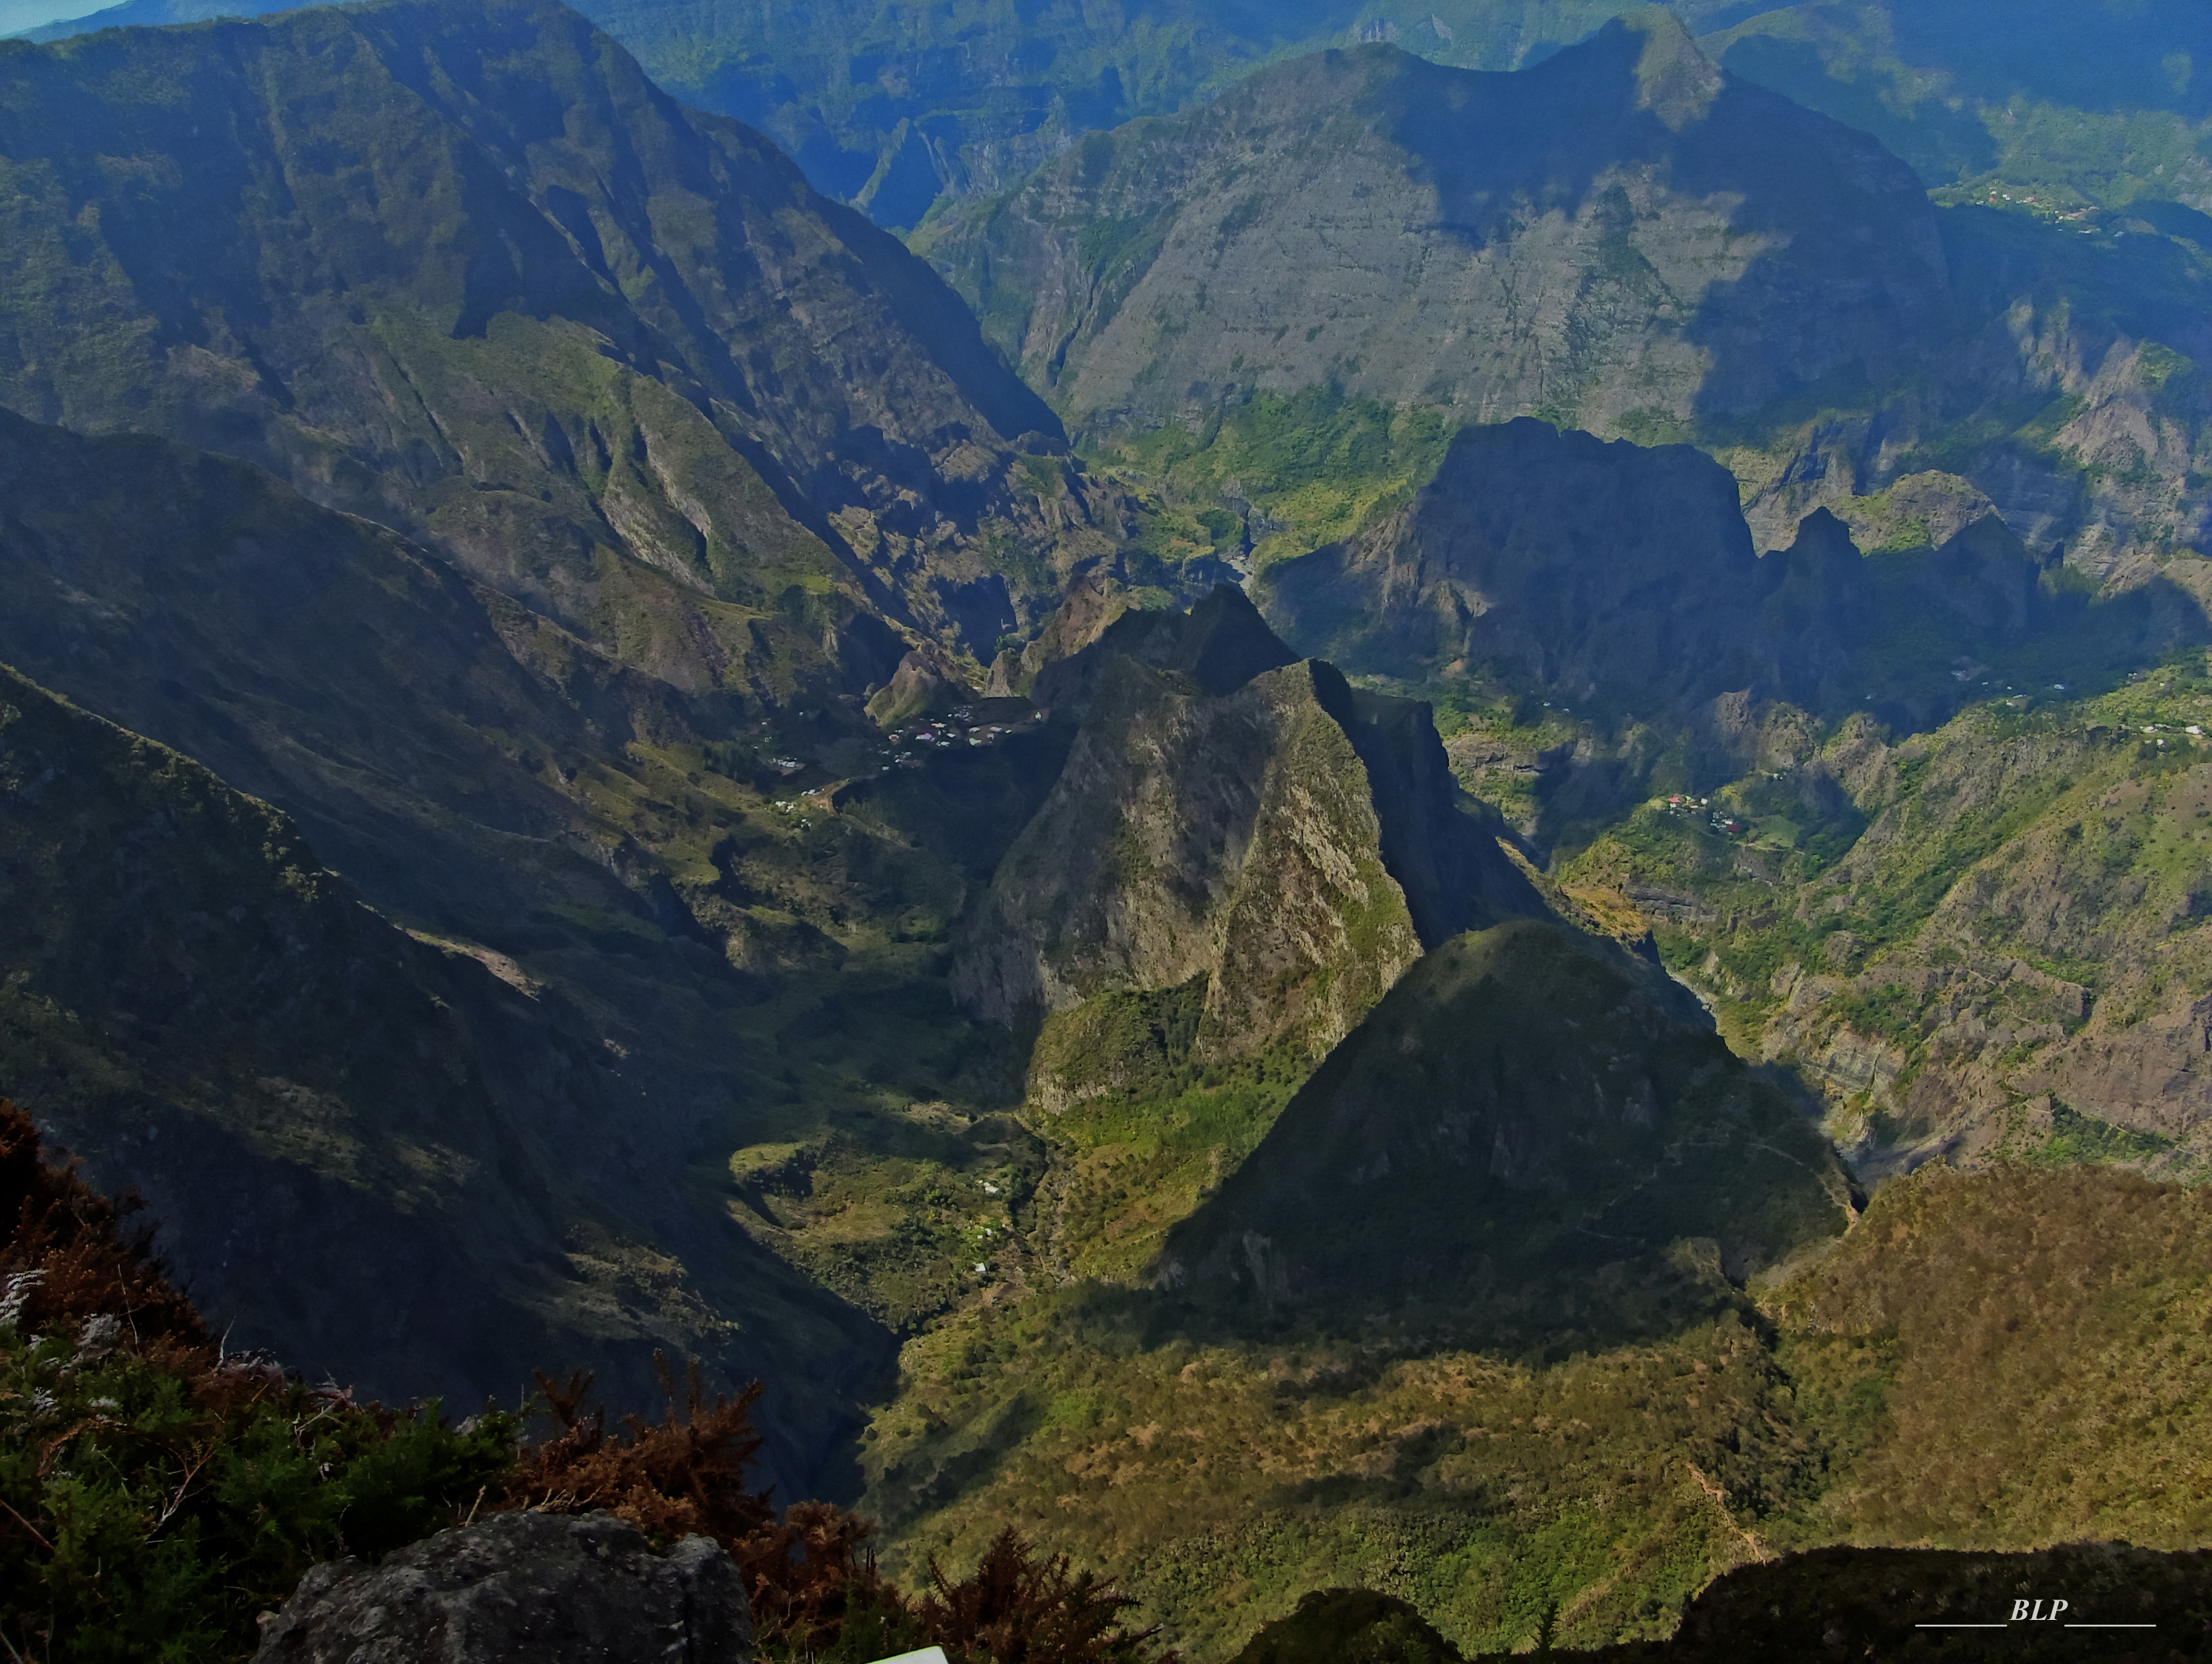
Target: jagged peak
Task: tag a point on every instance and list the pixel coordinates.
(1219, 645)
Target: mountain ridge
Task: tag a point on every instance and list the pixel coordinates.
(613, 357)
(1628, 132)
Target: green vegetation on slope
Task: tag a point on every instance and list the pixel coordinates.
(2009, 958)
(1538, 1116)
(626, 367)
(165, 1494)
(1225, 1477)
(2001, 1360)
(1413, 1336)
(2063, 1401)
(1143, 1126)
(1270, 478)
(159, 1491)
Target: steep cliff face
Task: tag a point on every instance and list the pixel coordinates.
(1612, 573)
(1231, 838)
(474, 276)
(1627, 240)
(370, 1153)
(1590, 565)
(1618, 229)
(1525, 1102)
(2052, 998)
(1266, 832)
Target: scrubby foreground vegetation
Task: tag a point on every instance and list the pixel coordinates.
(160, 1495)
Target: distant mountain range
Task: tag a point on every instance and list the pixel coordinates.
(1618, 236)
(896, 104)
(1621, 239)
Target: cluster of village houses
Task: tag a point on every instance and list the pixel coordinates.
(1719, 820)
(905, 747)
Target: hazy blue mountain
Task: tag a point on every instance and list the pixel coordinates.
(2049, 105)
(894, 104)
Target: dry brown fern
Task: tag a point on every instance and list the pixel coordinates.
(1018, 1607)
(66, 1257)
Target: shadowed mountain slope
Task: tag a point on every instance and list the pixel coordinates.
(515, 797)
(365, 1150)
(471, 274)
(459, 757)
(1238, 858)
(1533, 1104)
(1627, 576)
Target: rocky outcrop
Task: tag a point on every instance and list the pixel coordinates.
(1218, 646)
(925, 683)
(1587, 567)
(1626, 574)
(2002, 951)
(1230, 817)
(521, 1588)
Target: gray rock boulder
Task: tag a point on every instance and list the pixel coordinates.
(539, 1587)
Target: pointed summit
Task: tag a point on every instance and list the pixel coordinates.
(1673, 80)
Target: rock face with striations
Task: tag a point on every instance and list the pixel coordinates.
(1620, 230)
(1231, 814)
(521, 1588)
